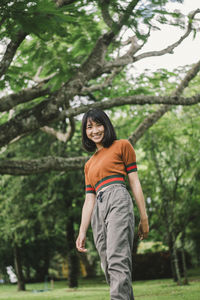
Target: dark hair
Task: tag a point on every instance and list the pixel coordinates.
(98, 116)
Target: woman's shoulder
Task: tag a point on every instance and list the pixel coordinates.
(124, 145)
(122, 142)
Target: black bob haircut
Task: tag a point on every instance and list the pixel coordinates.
(98, 116)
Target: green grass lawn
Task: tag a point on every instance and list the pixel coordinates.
(164, 289)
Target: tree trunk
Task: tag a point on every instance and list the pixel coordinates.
(176, 265)
(170, 244)
(184, 261)
(18, 269)
(27, 274)
(72, 257)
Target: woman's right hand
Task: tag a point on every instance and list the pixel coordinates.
(80, 242)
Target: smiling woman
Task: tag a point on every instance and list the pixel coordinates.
(108, 204)
(97, 130)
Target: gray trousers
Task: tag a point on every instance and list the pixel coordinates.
(113, 230)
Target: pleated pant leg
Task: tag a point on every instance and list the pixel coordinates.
(113, 231)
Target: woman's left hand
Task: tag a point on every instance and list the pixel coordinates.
(143, 229)
(80, 242)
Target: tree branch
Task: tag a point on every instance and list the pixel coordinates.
(10, 52)
(58, 164)
(36, 166)
(127, 58)
(154, 117)
(134, 46)
(31, 120)
(127, 13)
(104, 6)
(37, 78)
(134, 100)
(171, 47)
(106, 83)
(63, 137)
(147, 123)
(10, 101)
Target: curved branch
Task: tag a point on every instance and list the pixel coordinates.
(154, 117)
(10, 101)
(127, 58)
(42, 165)
(10, 52)
(134, 46)
(104, 6)
(70, 129)
(171, 47)
(63, 137)
(37, 79)
(147, 123)
(186, 80)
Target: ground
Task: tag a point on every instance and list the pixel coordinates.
(97, 289)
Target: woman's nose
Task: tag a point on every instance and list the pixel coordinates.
(95, 129)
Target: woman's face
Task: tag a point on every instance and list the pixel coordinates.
(95, 132)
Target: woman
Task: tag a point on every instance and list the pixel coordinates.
(108, 205)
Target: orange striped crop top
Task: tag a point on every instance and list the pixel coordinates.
(109, 165)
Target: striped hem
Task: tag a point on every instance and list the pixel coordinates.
(89, 189)
(112, 179)
(131, 168)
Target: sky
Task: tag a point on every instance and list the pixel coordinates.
(187, 52)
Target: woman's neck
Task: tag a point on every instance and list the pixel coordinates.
(99, 147)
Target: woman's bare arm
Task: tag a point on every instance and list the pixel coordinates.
(85, 221)
(136, 189)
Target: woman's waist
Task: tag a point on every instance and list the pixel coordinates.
(105, 182)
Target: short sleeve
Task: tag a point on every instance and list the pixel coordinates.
(88, 186)
(129, 157)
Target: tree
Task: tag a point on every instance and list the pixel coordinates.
(171, 160)
(39, 214)
(62, 57)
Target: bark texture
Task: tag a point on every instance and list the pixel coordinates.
(46, 164)
(10, 52)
